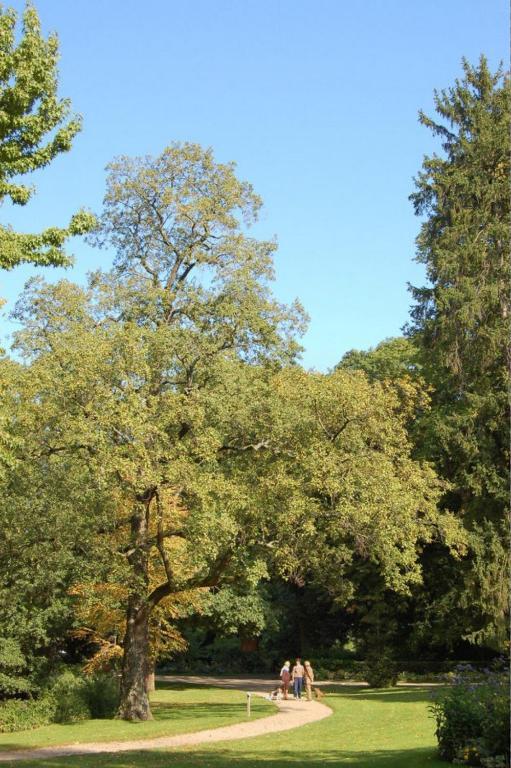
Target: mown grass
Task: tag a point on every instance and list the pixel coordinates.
(368, 729)
(176, 710)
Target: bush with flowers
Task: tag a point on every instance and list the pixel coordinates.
(472, 717)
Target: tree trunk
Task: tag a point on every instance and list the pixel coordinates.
(134, 703)
(249, 644)
(301, 636)
(150, 681)
(135, 666)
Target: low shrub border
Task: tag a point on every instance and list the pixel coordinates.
(472, 717)
(67, 698)
(330, 668)
(16, 715)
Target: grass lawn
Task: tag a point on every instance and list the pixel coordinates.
(176, 709)
(368, 729)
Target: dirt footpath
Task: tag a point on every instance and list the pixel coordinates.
(291, 714)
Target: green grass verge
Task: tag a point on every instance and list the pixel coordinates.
(368, 729)
(176, 709)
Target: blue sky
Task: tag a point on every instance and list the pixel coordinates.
(316, 101)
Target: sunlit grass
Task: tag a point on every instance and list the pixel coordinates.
(368, 729)
(175, 709)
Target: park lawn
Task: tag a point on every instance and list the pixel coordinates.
(368, 729)
(176, 709)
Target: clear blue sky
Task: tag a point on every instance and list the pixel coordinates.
(316, 101)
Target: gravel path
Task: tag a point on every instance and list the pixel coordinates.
(291, 714)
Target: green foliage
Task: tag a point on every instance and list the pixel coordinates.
(8, 372)
(13, 681)
(461, 324)
(67, 692)
(100, 692)
(221, 656)
(381, 671)
(184, 426)
(35, 127)
(390, 359)
(456, 351)
(464, 315)
(348, 490)
(462, 321)
(39, 528)
(473, 717)
(143, 387)
(66, 698)
(16, 715)
(243, 612)
(170, 416)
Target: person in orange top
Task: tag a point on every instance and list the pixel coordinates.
(308, 679)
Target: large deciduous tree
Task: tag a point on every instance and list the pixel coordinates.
(152, 378)
(346, 485)
(35, 127)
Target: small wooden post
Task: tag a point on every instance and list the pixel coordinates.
(249, 698)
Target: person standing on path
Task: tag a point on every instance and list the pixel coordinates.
(297, 677)
(308, 679)
(285, 676)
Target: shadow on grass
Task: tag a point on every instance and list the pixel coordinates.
(213, 715)
(165, 685)
(410, 758)
(245, 685)
(384, 695)
(163, 710)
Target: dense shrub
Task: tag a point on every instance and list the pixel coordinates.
(431, 677)
(16, 715)
(339, 662)
(472, 718)
(68, 692)
(356, 672)
(101, 695)
(321, 673)
(337, 668)
(329, 663)
(381, 671)
(222, 656)
(13, 682)
(79, 698)
(67, 698)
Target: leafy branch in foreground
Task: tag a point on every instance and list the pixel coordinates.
(35, 127)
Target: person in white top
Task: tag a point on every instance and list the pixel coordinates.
(285, 676)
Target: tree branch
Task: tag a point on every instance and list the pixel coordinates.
(210, 580)
(263, 444)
